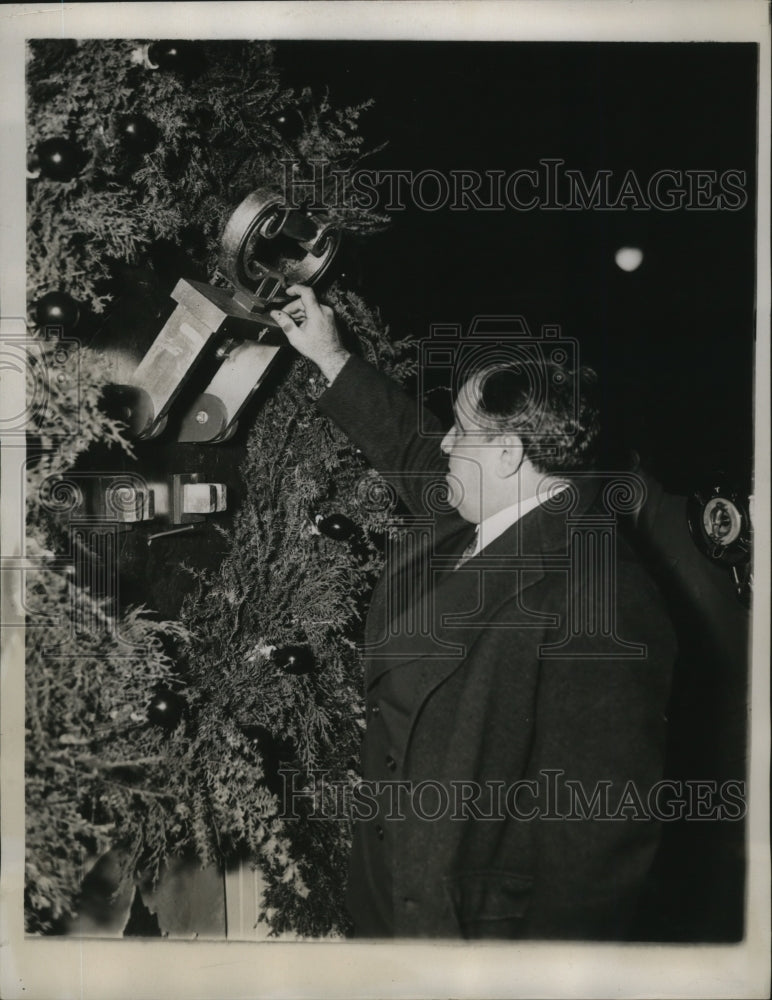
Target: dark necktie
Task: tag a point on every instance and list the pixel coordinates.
(469, 551)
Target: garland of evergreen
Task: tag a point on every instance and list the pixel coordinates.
(98, 773)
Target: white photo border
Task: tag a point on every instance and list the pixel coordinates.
(99, 969)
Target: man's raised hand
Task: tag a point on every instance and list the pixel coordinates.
(311, 329)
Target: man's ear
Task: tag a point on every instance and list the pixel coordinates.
(509, 456)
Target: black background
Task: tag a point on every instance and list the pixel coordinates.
(673, 341)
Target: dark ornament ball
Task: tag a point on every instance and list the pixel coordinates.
(294, 659)
(259, 737)
(176, 56)
(204, 117)
(193, 241)
(57, 309)
(274, 752)
(288, 123)
(165, 709)
(60, 159)
(336, 526)
(138, 134)
(175, 163)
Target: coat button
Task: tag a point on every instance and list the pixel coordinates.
(390, 762)
(379, 832)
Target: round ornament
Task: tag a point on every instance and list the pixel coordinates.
(138, 134)
(204, 117)
(165, 709)
(257, 736)
(60, 159)
(175, 56)
(294, 659)
(289, 123)
(273, 751)
(33, 166)
(193, 241)
(336, 526)
(57, 309)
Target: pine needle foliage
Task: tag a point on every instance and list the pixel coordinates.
(284, 584)
(98, 774)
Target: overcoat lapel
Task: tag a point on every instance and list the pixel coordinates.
(450, 607)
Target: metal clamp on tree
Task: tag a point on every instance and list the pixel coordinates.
(719, 517)
(266, 246)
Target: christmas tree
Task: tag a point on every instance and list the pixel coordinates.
(157, 738)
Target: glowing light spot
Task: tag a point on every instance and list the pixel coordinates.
(629, 258)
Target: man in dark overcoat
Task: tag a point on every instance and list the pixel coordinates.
(517, 662)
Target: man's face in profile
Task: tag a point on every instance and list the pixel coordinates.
(471, 447)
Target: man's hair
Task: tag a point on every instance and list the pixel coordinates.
(552, 409)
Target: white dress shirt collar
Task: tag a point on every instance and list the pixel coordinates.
(496, 524)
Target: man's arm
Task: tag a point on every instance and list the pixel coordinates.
(370, 408)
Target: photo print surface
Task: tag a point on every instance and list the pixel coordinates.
(390, 497)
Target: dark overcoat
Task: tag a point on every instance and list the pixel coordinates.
(533, 683)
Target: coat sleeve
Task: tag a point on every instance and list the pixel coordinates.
(399, 438)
